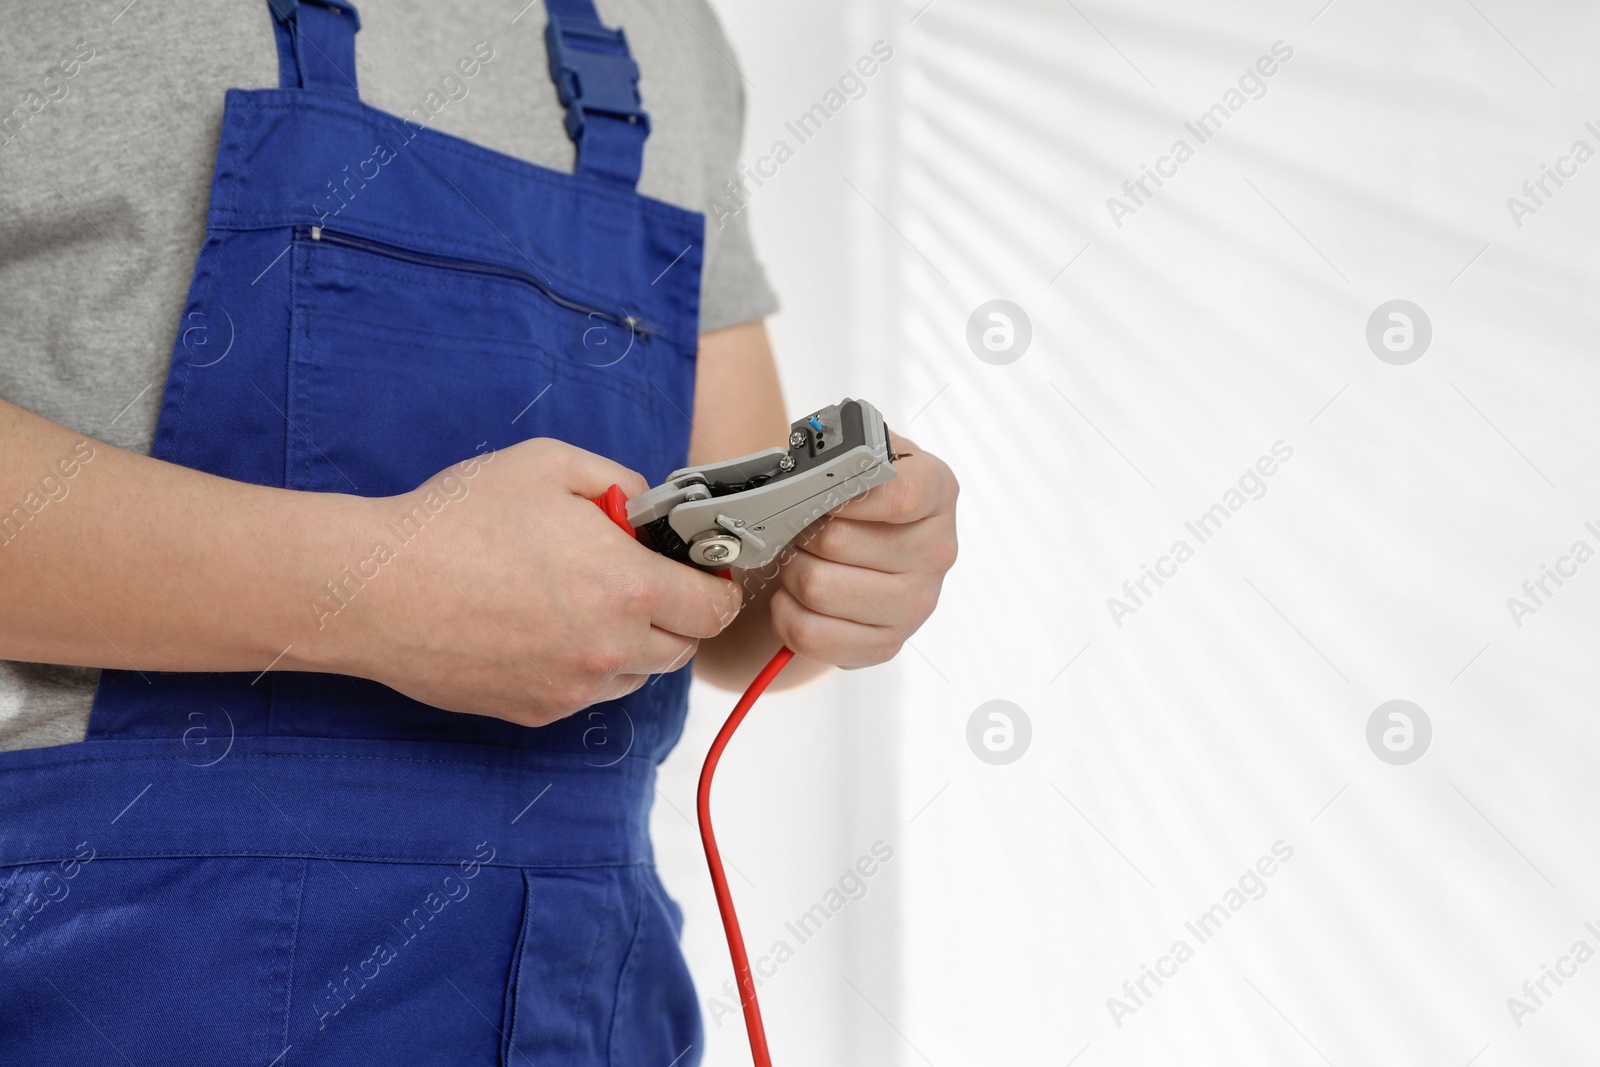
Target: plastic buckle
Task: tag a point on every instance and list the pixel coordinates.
(284, 10)
(593, 72)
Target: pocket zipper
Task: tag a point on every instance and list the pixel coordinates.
(427, 259)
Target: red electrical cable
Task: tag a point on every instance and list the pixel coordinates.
(615, 504)
(719, 880)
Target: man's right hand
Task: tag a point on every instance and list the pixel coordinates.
(507, 592)
(504, 591)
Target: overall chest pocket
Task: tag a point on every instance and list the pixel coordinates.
(403, 362)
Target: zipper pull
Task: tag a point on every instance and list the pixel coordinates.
(316, 233)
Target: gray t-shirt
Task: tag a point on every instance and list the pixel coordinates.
(109, 118)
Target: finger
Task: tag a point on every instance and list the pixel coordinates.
(660, 652)
(621, 685)
(925, 545)
(588, 475)
(854, 593)
(688, 601)
(828, 640)
(922, 485)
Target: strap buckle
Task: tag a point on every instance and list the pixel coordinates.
(593, 73)
(284, 10)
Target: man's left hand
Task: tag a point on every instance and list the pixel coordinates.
(866, 577)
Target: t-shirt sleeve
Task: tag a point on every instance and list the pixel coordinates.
(734, 286)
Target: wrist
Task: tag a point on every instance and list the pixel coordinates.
(731, 659)
(325, 566)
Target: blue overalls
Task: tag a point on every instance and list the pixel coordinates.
(290, 868)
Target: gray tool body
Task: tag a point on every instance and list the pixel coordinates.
(744, 512)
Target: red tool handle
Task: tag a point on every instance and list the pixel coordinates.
(615, 505)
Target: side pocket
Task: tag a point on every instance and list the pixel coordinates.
(577, 927)
(404, 963)
(657, 1019)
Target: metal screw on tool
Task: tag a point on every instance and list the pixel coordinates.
(714, 549)
(797, 439)
(786, 463)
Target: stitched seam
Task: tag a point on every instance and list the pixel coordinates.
(567, 279)
(185, 373)
(308, 100)
(570, 282)
(456, 280)
(583, 979)
(296, 457)
(294, 942)
(353, 857)
(479, 251)
(407, 238)
(574, 284)
(620, 997)
(5, 890)
(640, 764)
(250, 107)
(509, 1039)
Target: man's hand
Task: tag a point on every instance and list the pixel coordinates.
(867, 576)
(520, 599)
(863, 579)
(496, 588)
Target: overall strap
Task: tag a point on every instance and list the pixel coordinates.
(598, 82)
(316, 44)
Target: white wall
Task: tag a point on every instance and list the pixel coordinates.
(1230, 711)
